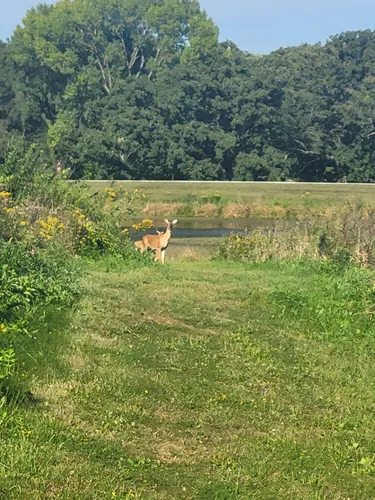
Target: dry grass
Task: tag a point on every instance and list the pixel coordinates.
(206, 210)
(163, 209)
(241, 210)
(190, 255)
(236, 210)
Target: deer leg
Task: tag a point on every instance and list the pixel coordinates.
(139, 245)
(162, 256)
(157, 254)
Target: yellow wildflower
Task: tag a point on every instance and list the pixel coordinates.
(143, 226)
(49, 227)
(3, 328)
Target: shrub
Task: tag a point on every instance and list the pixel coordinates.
(44, 222)
(30, 281)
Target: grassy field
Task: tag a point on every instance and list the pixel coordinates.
(202, 380)
(279, 194)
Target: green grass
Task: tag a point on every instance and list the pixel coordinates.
(203, 380)
(280, 194)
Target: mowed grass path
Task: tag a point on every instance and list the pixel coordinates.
(186, 382)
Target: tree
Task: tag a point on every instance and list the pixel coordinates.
(127, 89)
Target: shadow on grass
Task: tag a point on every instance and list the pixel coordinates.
(38, 354)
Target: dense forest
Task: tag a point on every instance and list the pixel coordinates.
(144, 90)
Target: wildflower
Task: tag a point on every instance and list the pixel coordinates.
(49, 227)
(5, 194)
(3, 328)
(23, 223)
(111, 193)
(143, 226)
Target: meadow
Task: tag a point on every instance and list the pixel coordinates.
(243, 199)
(242, 368)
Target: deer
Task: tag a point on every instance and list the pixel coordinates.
(158, 242)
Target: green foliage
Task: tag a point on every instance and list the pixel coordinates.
(7, 360)
(136, 90)
(45, 222)
(30, 281)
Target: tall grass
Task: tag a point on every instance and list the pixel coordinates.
(347, 236)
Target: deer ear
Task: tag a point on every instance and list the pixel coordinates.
(175, 221)
(166, 221)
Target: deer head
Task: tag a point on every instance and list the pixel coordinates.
(170, 224)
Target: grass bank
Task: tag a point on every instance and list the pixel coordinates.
(209, 380)
(242, 199)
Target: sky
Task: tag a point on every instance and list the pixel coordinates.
(258, 26)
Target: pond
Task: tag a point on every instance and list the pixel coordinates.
(195, 227)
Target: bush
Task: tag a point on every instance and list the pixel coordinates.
(30, 281)
(46, 221)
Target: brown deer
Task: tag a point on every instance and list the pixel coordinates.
(158, 242)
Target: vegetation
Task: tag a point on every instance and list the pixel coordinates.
(342, 237)
(204, 379)
(238, 381)
(228, 200)
(249, 375)
(44, 223)
(144, 90)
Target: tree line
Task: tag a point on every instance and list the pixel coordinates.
(144, 90)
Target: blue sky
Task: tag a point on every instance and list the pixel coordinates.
(258, 26)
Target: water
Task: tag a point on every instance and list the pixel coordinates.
(194, 227)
